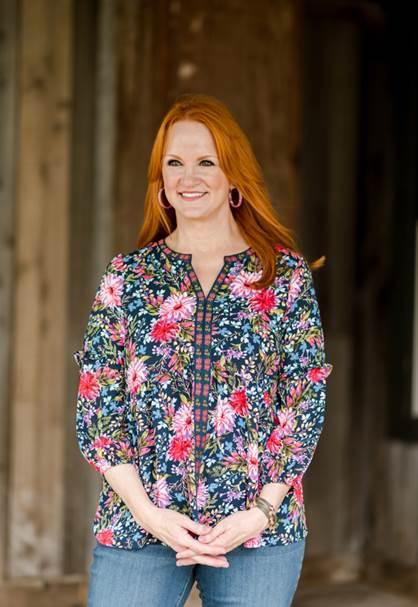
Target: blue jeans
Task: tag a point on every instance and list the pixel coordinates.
(149, 577)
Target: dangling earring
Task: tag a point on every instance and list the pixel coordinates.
(160, 192)
(231, 201)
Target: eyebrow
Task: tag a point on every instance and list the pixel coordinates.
(200, 157)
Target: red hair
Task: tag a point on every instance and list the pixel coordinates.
(256, 217)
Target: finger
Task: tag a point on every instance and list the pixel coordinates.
(192, 562)
(194, 527)
(216, 536)
(220, 558)
(204, 560)
(226, 540)
(198, 547)
(211, 549)
(210, 560)
(206, 529)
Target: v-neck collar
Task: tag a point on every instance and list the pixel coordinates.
(187, 257)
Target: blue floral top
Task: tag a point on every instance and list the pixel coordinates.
(208, 397)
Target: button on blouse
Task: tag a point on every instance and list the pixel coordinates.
(209, 397)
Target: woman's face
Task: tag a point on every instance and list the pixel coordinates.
(194, 183)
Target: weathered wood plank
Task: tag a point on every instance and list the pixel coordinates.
(38, 376)
(137, 113)
(328, 228)
(79, 507)
(91, 239)
(8, 59)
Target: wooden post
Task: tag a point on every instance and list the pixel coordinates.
(8, 27)
(91, 241)
(37, 430)
(331, 113)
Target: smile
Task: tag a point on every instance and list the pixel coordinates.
(191, 195)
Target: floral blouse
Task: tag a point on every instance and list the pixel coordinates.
(208, 397)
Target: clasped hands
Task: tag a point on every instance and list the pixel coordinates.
(197, 543)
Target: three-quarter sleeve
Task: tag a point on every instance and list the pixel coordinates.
(104, 429)
(301, 391)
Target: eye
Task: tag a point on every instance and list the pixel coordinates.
(170, 162)
(209, 161)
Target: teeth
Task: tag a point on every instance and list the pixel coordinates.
(192, 195)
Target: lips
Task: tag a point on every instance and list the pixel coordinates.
(191, 195)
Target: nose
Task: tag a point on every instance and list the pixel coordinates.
(189, 175)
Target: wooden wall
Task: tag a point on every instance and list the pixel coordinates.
(85, 87)
(363, 486)
(8, 101)
(92, 236)
(330, 171)
(40, 286)
(244, 53)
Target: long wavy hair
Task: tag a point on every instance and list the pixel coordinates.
(256, 217)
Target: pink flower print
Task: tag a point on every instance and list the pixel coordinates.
(164, 330)
(202, 493)
(252, 461)
(253, 542)
(161, 493)
(183, 420)
(101, 442)
(274, 442)
(89, 387)
(287, 421)
(136, 375)
(263, 301)
(110, 293)
(130, 349)
(180, 447)
(240, 285)
(118, 332)
(295, 286)
(205, 518)
(283, 249)
(224, 417)
(267, 398)
(317, 374)
(164, 379)
(148, 440)
(99, 465)
(105, 536)
(239, 402)
(298, 489)
(178, 307)
(294, 392)
(169, 409)
(110, 375)
(118, 263)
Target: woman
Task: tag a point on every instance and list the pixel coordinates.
(202, 383)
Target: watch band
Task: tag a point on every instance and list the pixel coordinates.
(268, 510)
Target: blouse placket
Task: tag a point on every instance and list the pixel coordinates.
(203, 338)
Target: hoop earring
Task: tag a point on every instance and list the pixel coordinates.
(161, 201)
(231, 200)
